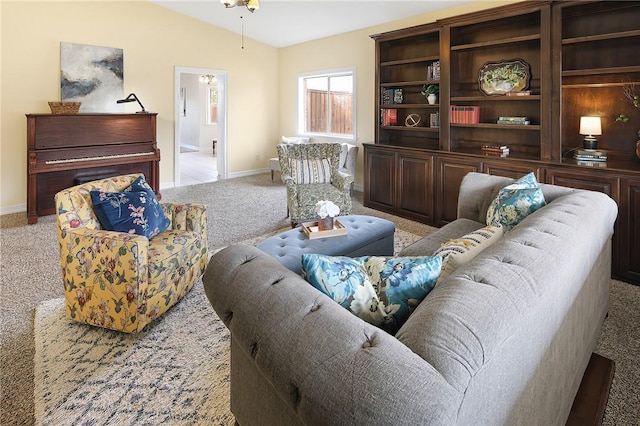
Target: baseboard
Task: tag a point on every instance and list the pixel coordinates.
(13, 209)
(591, 400)
(248, 173)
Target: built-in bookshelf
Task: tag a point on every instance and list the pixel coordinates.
(406, 64)
(577, 59)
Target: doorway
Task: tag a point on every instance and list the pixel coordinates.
(200, 138)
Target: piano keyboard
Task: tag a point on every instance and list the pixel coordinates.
(102, 157)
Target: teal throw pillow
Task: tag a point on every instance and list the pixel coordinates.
(383, 291)
(135, 210)
(344, 280)
(516, 201)
(401, 283)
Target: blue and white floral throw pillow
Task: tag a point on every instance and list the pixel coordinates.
(135, 210)
(380, 290)
(516, 201)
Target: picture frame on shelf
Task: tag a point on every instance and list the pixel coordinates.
(505, 76)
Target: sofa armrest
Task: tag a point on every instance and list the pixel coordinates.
(327, 365)
(105, 276)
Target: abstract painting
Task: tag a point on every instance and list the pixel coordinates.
(92, 75)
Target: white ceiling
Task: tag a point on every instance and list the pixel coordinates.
(281, 23)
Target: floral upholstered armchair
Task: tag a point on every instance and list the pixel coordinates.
(120, 280)
(311, 173)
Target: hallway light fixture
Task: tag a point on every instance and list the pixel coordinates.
(251, 5)
(132, 98)
(208, 79)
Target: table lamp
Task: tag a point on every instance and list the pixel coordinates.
(590, 126)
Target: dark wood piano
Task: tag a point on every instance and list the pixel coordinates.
(66, 150)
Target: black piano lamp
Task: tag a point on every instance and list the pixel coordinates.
(132, 98)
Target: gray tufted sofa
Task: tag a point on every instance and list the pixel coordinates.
(504, 340)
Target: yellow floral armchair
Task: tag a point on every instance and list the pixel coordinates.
(124, 281)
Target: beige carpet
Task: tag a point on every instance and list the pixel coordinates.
(237, 209)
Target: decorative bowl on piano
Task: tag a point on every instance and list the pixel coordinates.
(64, 107)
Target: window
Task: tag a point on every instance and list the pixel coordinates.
(326, 103)
(212, 104)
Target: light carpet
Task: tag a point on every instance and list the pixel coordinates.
(175, 372)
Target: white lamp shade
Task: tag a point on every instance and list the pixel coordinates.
(590, 126)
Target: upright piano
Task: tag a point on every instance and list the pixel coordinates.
(66, 150)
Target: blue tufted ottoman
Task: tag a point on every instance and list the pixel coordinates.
(367, 235)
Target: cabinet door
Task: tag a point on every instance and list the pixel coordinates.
(514, 171)
(450, 174)
(380, 179)
(585, 180)
(589, 180)
(415, 187)
(630, 231)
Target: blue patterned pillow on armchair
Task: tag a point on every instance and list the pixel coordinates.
(135, 210)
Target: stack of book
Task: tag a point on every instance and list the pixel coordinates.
(513, 120)
(433, 71)
(391, 96)
(496, 150)
(465, 114)
(389, 117)
(434, 120)
(590, 155)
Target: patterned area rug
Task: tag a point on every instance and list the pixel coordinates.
(175, 372)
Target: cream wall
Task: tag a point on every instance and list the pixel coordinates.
(353, 49)
(154, 40)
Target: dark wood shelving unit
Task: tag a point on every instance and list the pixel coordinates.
(581, 55)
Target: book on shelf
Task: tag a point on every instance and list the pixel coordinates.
(386, 96)
(389, 117)
(391, 96)
(462, 114)
(590, 155)
(495, 154)
(591, 163)
(514, 120)
(514, 123)
(398, 96)
(502, 150)
(433, 71)
(434, 120)
(519, 93)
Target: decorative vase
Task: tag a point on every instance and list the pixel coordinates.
(325, 224)
(431, 99)
(638, 148)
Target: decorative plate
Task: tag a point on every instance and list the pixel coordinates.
(412, 120)
(501, 77)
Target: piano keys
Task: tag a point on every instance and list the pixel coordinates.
(65, 150)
